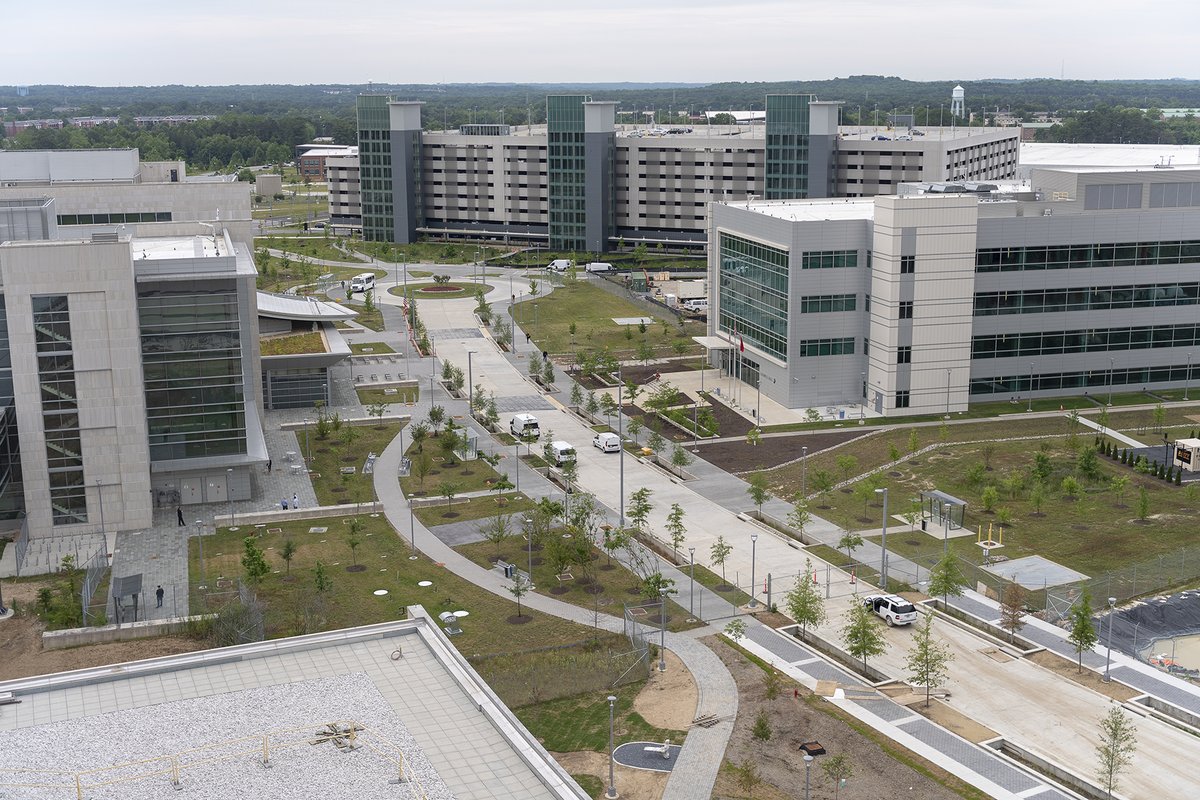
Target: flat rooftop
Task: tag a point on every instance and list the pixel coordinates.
(813, 210)
(402, 683)
(165, 247)
(920, 133)
(1047, 154)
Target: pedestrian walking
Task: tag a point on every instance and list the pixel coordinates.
(158, 593)
(269, 462)
(179, 516)
(295, 500)
(285, 504)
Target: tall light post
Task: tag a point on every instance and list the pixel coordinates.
(621, 441)
(412, 532)
(1030, 406)
(525, 523)
(200, 540)
(1112, 604)
(1111, 364)
(662, 629)
(947, 394)
(804, 471)
(753, 557)
(307, 451)
(1187, 377)
(807, 774)
(100, 503)
(612, 788)
(229, 493)
(470, 386)
(883, 576)
(947, 512)
(692, 579)
(517, 464)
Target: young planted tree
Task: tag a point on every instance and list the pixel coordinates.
(929, 659)
(634, 428)
(419, 433)
(497, 531)
(422, 465)
(1082, 631)
(287, 553)
(592, 405)
(639, 509)
(837, 770)
(676, 529)
(656, 442)
(799, 517)
(822, 481)
(1143, 505)
(735, 629)
(719, 554)
(1118, 741)
(946, 579)
(1012, 609)
(914, 443)
(437, 415)
(576, 395)
(762, 727)
(748, 777)
(520, 587)
(448, 489)
(253, 562)
(846, 465)
(754, 437)
(547, 373)
(864, 639)
(323, 583)
(804, 602)
(680, 459)
(377, 410)
(759, 490)
(850, 542)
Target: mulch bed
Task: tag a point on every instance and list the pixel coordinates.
(771, 451)
(729, 422)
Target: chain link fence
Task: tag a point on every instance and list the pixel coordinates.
(93, 593)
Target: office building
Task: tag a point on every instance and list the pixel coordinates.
(943, 295)
(130, 322)
(582, 182)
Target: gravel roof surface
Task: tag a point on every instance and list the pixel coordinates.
(300, 771)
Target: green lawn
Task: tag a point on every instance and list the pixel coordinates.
(468, 476)
(581, 723)
(370, 348)
(294, 607)
(279, 274)
(372, 319)
(455, 290)
(429, 252)
(329, 455)
(711, 580)
(592, 786)
(312, 247)
(603, 586)
(476, 508)
(548, 319)
(404, 394)
(1094, 533)
(294, 344)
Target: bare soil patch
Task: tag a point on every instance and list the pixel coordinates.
(1092, 680)
(770, 451)
(797, 719)
(631, 784)
(21, 653)
(949, 718)
(668, 700)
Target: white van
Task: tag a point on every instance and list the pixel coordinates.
(696, 304)
(524, 426)
(364, 282)
(607, 442)
(560, 264)
(598, 266)
(561, 452)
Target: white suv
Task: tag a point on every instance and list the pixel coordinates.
(894, 610)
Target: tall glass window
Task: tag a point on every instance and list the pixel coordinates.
(60, 409)
(787, 146)
(566, 173)
(754, 293)
(12, 493)
(192, 366)
(375, 168)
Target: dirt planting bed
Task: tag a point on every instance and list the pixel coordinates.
(770, 451)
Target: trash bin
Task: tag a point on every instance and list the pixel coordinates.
(509, 571)
(841, 413)
(924, 524)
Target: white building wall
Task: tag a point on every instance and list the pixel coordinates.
(98, 280)
(939, 232)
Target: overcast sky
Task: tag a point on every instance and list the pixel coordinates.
(214, 42)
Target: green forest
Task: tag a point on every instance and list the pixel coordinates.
(262, 124)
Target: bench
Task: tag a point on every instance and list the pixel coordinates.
(664, 749)
(7, 699)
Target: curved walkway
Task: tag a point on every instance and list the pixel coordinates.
(703, 749)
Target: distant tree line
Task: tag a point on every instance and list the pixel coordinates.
(1114, 125)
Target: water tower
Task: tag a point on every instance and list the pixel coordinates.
(956, 102)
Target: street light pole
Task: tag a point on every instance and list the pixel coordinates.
(621, 441)
(804, 471)
(807, 774)
(412, 532)
(1112, 602)
(612, 789)
(1187, 377)
(307, 452)
(229, 493)
(1030, 406)
(200, 540)
(470, 386)
(883, 576)
(1111, 363)
(662, 629)
(517, 464)
(692, 578)
(947, 512)
(947, 394)
(753, 555)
